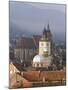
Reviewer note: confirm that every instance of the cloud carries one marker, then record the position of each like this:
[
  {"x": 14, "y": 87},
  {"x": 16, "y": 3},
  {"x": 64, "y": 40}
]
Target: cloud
[
  {"x": 34, "y": 16},
  {"x": 59, "y": 7}
]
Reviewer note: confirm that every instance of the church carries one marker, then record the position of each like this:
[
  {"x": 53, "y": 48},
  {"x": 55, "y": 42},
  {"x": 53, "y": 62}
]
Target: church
[{"x": 44, "y": 57}]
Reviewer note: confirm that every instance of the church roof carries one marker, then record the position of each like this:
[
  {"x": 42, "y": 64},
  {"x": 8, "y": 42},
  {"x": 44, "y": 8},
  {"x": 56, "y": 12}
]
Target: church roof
[
  {"x": 25, "y": 43},
  {"x": 36, "y": 39},
  {"x": 46, "y": 35},
  {"x": 38, "y": 58}
]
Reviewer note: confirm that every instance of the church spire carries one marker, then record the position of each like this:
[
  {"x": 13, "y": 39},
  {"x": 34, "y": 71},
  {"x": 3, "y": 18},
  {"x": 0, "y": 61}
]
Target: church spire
[
  {"x": 44, "y": 32},
  {"x": 48, "y": 27},
  {"x": 48, "y": 31}
]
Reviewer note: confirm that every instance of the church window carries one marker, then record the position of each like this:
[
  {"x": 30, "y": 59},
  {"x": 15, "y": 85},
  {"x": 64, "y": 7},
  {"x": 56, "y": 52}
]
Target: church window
[
  {"x": 47, "y": 44},
  {"x": 37, "y": 65},
  {"x": 41, "y": 64}
]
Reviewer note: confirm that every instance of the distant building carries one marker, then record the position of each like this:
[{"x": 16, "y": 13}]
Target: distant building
[
  {"x": 25, "y": 49},
  {"x": 36, "y": 39}
]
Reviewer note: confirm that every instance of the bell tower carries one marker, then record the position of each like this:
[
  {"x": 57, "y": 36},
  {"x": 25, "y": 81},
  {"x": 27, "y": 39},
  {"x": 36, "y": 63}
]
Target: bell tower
[
  {"x": 44, "y": 44},
  {"x": 44, "y": 59}
]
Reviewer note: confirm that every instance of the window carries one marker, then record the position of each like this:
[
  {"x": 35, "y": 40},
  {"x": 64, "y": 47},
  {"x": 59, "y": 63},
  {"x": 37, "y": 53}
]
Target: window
[
  {"x": 41, "y": 44},
  {"x": 46, "y": 54},
  {"x": 47, "y": 44},
  {"x": 41, "y": 64},
  {"x": 37, "y": 65}
]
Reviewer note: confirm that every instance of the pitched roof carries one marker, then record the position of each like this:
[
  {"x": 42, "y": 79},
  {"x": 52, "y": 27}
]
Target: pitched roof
[
  {"x": 19, "y": 82},
  {"x": 25, "y": 42},
  {"x": 30, "y": 43},
  {"x": 47, "y": 32},
  {"x": 48, "y": 75},
  {"x": 36, "y": 39}
]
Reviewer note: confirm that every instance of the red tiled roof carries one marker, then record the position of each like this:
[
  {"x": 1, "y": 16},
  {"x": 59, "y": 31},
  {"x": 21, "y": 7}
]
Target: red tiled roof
[
  {"x": 52, "y": 75},
  {"x": 31, "y": 75},
  {"x": 20, "y": 83},
  {"x": 48, "y": 75},
  {"x": 26, "y": 83}
]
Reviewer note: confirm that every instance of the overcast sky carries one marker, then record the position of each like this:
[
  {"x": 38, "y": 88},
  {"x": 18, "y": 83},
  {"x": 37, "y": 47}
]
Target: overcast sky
[{"x": 33, "y": 17}]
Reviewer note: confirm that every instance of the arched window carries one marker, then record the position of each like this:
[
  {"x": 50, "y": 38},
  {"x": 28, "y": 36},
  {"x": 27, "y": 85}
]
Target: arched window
[
  {"x": 47, "y": 44},
  {"x": 37, "y": 64},
  {"x": 41, "y": 64}
]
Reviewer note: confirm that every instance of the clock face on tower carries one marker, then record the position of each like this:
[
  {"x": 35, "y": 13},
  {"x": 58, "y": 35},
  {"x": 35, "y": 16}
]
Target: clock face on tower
[{"x": 44, "y": 44}]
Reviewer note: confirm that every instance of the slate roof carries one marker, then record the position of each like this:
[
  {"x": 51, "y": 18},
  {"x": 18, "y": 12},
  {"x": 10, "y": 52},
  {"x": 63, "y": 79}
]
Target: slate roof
[
  {"x": 30, "y": 42},
  {"x": 25, "y": 43},
  {"x": 36, "y": 39}
]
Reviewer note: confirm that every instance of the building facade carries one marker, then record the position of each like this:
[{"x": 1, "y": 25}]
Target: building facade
[{"x": 25, "y": 49}]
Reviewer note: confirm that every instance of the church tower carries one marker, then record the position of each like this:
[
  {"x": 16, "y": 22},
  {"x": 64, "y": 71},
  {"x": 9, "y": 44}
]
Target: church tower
[
  {"x": 44, "y": 58},
  {"x": 45, "y": 44}
]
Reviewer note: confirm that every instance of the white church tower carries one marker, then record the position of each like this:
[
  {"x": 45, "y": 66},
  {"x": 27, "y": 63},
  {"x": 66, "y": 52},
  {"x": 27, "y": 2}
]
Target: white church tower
[
  {"x": 44, "y": 45},
  {"x": 44, "y": 57}
]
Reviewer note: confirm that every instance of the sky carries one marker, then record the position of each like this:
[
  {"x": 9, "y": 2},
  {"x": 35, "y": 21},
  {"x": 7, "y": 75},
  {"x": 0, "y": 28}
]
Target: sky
[{"x": 28, "y": 17}]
